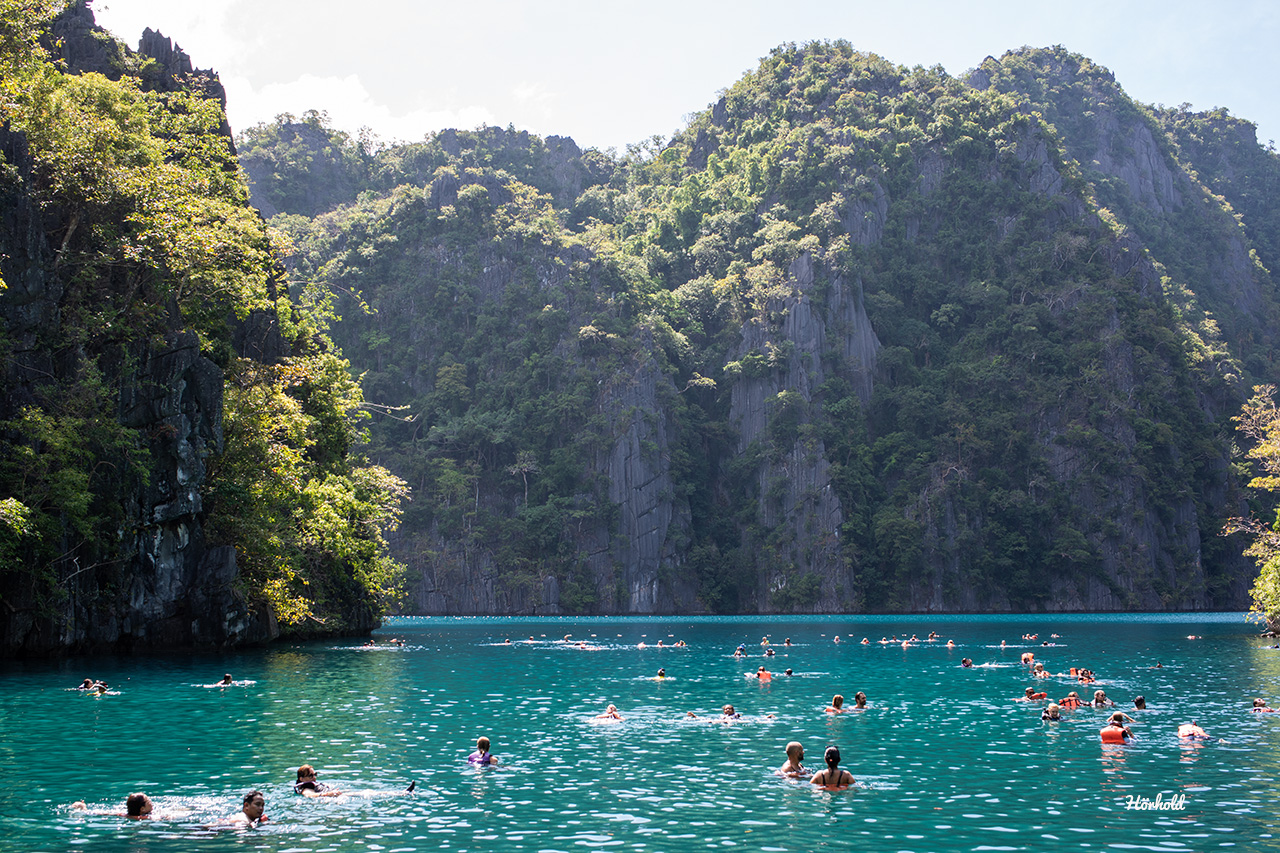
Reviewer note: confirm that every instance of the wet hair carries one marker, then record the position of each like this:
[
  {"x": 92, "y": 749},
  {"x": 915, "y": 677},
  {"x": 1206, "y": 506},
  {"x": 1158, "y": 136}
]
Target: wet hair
[
  {"x": 251, "y": 796},
  {"x": 483, "y": 744},
  {"x": 837, "y": 701},
  {"x": 1117, "y": 719},
  {"x": 135, "y": 803},
  {"x": 831, "y": 756},
  {"x": 859, "y": 698},
  {"x": 303, "y": 772},
  {"x": 1140, "y": 702}
]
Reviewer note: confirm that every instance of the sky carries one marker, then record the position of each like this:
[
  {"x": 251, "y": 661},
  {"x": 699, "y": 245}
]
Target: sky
[{"x": 610, "y": 73}]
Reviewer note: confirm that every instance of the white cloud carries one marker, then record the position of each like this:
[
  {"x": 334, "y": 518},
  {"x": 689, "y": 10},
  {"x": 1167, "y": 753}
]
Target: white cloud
[{"x": 348, "y": 104}]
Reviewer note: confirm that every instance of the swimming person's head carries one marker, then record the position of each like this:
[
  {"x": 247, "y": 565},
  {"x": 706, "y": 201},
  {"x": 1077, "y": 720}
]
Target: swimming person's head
[
  {"x": 831, "y": 756},
  {"x": 837, "y": 701},
  {"x": 860, "y": 699},
  {"x": 1140, "y": 702},
  {"x": 137, "y": 805},
  {"x": 306, "y": 771},
  {"x": 795, "y": 751},
  {"x": 482, "y": 744}
]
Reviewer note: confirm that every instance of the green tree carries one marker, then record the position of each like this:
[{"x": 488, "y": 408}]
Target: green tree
[{"x": 1259, "y": 421}]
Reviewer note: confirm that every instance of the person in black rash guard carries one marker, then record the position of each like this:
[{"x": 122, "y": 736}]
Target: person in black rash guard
[{"x": 308, "y": 786}]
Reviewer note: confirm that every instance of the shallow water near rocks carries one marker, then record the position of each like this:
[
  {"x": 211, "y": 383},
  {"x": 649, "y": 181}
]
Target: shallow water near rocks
[{"x": 944, "y": 757}]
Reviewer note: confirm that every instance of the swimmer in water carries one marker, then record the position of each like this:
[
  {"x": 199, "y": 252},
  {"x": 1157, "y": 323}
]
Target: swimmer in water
[
  {"x": 1032, "y": 696},
  {"x": 966, "y": 662},
  {"x": 136, "y": 807},
  {"x": 1051, "y": 713},
  {"x": 610, "y": 713},
  {"x": 788, "y": 671},
  {"x": 1191, "y": 731},
  {"x": 833, "y": 778},
  {"x": 1140, "y": 703},
  {"x": 768, "y": 653},
  {"x": 837, "y": 705},
  {"x": 307, "y": 785},
  {"x": 1260, "y": 706},
  {"x": 860, "y": 700},
  {"x": 87, "y": 684},
  {"x": 662, "y": 673},
  {"x": 787, "y": 641},
  {"x": 252, "y": 812},
  {"x": 764, "y": 674},
  {"x": 740, "y": 651},
  {"x": 1100, "y": 700},
  {"x": 1072, "y": 701},
  {"x": 951, "y": 644},
  {"x": 1115, "y": 731},
  {"x": 793, "y": 769},
  {"x": 727, "y": 713},
  {"x": 482, "y": 757},
  {"x": 226, "y": 679},
  {"x": 837, "y": 638},
  {"x": 865, "y": 641}
]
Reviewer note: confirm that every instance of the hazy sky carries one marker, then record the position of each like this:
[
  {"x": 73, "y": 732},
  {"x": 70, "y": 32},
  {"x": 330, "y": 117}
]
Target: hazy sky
[{"x": 609, "y": 73}]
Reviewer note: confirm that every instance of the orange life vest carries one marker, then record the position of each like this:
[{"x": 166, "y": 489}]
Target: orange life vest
[{"x": 1112, "y": 734}]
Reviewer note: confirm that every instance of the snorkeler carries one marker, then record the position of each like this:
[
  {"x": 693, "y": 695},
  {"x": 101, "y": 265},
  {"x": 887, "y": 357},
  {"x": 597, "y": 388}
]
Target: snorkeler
[
  {"x": 307, "y": 785},
  {"x": 793, "y": 768},
  {"x": 482, "y": 756},
  {"x": 833, "y": 778}
]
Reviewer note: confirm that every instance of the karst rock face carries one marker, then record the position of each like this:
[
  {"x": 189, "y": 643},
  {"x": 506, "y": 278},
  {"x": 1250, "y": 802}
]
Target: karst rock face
[{"x": 158, "y": 585}]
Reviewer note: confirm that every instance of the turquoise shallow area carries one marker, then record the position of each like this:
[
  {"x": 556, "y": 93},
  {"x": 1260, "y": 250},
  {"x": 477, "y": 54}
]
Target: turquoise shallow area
[{"x": 946, "y": 759}]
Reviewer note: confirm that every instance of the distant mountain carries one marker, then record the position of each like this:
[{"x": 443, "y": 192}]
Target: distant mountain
[{"x": 860, "y": 338}]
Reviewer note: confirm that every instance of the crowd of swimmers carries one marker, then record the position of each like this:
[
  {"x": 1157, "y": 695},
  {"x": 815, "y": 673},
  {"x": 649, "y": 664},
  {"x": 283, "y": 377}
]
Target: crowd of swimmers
[
  {"x": 831, "y": 777},
  {"x": 1116, "y": 730}
]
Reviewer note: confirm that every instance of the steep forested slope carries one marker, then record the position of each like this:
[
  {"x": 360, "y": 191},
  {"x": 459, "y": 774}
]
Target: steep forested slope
[
  {"x": 176, "y": 432},
  {"x": 860, "y": 337}
]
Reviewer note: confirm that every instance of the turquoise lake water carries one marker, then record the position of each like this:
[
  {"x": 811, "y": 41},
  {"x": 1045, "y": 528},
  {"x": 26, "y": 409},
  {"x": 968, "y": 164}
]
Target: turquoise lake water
[{"x": 944, "y": 757}]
